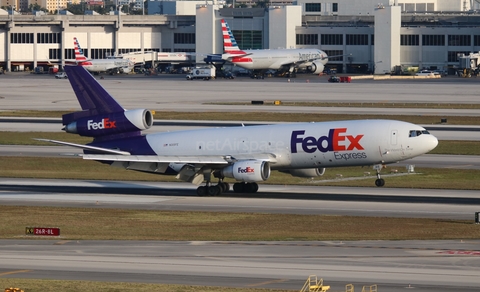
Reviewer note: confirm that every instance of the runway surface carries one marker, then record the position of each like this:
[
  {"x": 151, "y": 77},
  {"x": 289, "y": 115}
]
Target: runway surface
[
  {"x": 393, "y": 265},
  {"x": 41, "y": 92},
  {"x": 311, "y": 200}
]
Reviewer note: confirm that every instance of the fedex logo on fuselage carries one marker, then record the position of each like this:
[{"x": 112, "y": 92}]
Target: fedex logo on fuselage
[
  {"x": 103, "y": 124},
  {"x": 335, "y": 141}
]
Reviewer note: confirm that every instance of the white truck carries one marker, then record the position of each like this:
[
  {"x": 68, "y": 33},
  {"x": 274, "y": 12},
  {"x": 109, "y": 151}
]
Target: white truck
[
  {"x": 61, "y": 75},
  {"x": 205, "y": 73}
]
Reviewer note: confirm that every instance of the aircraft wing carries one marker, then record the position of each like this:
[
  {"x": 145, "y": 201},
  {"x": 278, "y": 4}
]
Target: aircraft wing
[
  {"x": 106, "y": 154},
  {"x": 313, "y": 59},
  {"x": 208, "y": 159},
  {"x": 182, "y": 159}
]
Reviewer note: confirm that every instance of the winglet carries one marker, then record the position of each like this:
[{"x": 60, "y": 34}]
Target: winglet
[{"x": 93, "y": 98}]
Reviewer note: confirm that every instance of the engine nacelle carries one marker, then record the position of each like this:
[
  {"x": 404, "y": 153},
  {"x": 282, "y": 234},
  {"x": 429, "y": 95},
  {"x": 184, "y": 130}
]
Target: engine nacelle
[
  {"x": 316, "y": 67},
  {"x": 125, "y": 70},
  {"x": 307, "y": 172},
  {"x": 114, "y": 123},
  {"x": 247, "y": 171}
]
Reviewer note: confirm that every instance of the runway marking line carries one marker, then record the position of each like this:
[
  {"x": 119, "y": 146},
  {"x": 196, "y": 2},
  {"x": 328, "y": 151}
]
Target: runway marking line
[
  {"x": 15, "y": 272},
  {"x": 267, "y": 282}
]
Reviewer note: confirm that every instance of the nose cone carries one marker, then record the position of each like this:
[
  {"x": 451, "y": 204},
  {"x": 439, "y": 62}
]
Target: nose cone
[{"x": 431, "y": 143}]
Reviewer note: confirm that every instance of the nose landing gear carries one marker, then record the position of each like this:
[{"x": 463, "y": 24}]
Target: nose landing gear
[{"x": 379, "y": 182}]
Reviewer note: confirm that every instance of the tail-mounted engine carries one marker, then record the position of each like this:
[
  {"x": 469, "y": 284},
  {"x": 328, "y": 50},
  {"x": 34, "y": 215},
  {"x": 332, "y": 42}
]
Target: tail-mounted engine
[
  {"x": 316, "y": 67},
  {"x": 246, "y": 171},
  {"x": 114, "y": 123}
]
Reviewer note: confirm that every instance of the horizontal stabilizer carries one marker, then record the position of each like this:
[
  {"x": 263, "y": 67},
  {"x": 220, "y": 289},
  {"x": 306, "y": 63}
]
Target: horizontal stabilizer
[
  {"x": 229, "y": 56},
  {"x": 86, "y": 147}
]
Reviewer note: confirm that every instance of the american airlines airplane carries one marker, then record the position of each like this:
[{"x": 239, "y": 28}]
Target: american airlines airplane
[
  {"x": 110, "y": 66},
  {"x": 246, "y": 154},
  {"x": 285, "y": 60}
]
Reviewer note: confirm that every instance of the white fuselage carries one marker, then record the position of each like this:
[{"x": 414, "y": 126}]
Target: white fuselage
[
  {"x": 103, "y": 65},
  {"x": 304, "y": 145},
  {"x": 276, "y": 59}
]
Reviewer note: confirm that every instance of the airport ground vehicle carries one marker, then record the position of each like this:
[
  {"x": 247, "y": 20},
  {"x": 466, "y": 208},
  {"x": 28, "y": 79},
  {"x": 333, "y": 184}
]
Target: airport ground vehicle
[
  {"x": 425, "y": 73},
  {"x": 61, "y": 75},
  {"x": 334, "y": 79},
  {"x": 205, "y": 73}
]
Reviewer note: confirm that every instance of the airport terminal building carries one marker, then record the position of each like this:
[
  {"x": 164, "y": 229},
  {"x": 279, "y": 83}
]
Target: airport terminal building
[{"x": 373, "y": 35}]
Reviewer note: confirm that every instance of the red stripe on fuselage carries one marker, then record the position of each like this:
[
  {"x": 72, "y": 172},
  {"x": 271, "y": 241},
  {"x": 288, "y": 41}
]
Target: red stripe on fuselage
[{"x": 241, "y": 60}]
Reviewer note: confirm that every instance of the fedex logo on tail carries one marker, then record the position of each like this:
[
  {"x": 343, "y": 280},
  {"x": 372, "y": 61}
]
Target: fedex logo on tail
[
  {"x": 103, "y": 124},
  {"x": 336, "y": 140}
]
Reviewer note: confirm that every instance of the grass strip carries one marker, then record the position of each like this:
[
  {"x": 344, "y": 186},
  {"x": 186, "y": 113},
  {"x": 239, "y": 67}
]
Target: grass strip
[
  {"x": 33, "y": 285},
  {"x": 122, "y": 224},
  {"x": 363, "y": 104}
]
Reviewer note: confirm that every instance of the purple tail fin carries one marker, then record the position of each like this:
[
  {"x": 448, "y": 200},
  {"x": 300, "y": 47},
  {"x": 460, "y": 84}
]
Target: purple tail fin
[
  {"x": 93, "y": 98},
  {"x": 101, "y": 117}
]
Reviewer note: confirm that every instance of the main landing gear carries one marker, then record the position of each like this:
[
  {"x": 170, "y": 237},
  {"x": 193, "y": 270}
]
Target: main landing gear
[
  {"x": 379, "y": 182},
  {"x": 213, "y": 190},
  {"x": 222, "y": 187},
  {"x": 245, "y": 187}
]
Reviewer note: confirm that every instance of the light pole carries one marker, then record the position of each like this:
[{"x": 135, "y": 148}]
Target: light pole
[{"x": 13, "y": 12}]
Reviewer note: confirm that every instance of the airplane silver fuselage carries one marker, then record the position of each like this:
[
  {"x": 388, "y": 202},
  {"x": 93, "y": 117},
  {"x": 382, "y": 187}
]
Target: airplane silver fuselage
[
  {"x": 304, "y": 145},
  {"x": 102, "y": 65},
  {"x": 276, "y": 59}
]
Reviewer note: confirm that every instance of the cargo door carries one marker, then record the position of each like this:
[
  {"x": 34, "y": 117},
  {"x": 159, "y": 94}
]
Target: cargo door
[{"x": 393, "y": 137}]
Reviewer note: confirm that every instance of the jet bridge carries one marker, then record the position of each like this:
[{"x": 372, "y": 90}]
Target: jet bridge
[{"x": 468, "y": 65}]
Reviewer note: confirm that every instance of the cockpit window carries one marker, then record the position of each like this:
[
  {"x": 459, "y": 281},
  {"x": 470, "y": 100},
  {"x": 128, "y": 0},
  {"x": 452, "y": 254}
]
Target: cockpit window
[{"x": 416, "y": 133}]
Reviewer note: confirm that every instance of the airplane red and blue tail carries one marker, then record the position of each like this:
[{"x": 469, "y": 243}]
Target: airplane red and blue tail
[
  {"x": 79, "y": 56},
  {"x": 229, "y": 42}
]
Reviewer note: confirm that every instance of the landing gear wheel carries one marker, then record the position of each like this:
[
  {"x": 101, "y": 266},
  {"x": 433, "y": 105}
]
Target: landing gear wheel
[
  {"x": 214, "y": 190},
  {"x": 380, "y": 182},
  {"x": 202, "y": 191},
  {"x": 251, "y": 188},
  {"x": 245, "y": 187},
  {"x": 239, "y": 187},
  {"x": 225, "y": 187}
]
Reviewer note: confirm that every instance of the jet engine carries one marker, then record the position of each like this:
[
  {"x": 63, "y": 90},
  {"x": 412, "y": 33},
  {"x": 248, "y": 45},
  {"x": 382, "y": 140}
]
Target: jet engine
[
  {"x": 125, "y": 70},
  {"x": 247, "y": 171},
  {"x": 113, "y": 123},
  {"x": 316, "y": 67},
  {"x": 307, "y": 172}
]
